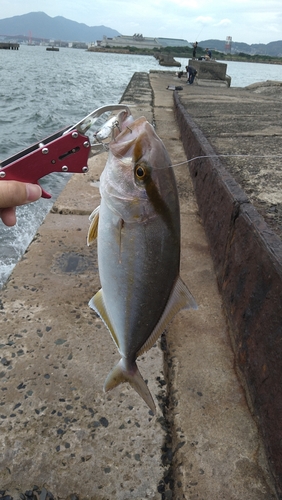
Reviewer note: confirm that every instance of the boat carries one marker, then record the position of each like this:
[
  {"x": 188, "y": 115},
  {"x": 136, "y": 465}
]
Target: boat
[{"x": 55, "y": 49}]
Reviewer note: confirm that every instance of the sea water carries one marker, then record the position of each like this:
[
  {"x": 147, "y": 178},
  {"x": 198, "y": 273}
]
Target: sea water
[{"x": 42, "y": 92}]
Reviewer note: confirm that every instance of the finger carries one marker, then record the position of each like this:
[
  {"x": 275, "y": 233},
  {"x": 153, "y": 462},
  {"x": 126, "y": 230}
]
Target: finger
[
  {"x": 8, "y": 216},
  {"x": 33, "y": 192},
  {"x": 13, "y": 193}
]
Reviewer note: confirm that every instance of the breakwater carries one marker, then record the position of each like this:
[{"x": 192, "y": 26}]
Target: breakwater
[
  {"x": 63, "y": 432},
  {"x": 247, "y": 254}
]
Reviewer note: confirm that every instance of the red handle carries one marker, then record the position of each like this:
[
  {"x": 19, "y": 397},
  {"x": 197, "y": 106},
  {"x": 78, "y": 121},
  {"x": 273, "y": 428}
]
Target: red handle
[{"x": 63, "y": 153}]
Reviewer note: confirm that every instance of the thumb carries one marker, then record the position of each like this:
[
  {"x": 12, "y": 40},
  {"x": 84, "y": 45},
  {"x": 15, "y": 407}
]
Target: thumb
[
  {"x": 33, "y": 192},
  {"x": 14, "y": 193}
]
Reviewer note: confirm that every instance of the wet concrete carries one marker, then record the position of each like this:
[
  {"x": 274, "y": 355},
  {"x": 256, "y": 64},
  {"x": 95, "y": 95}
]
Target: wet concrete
[{"x": 58, "y": 430}]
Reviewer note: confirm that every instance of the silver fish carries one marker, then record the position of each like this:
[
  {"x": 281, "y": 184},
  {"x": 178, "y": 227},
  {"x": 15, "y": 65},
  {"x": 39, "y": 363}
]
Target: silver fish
[
  {"x": 107, "y": 129},
  {"x": 138, "y": 234}
]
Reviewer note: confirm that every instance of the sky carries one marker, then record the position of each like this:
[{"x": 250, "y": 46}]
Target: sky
[{"x": 249, "y": 21}]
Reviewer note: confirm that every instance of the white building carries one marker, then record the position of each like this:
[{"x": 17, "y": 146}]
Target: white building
[{"x": 141, "y": 42}]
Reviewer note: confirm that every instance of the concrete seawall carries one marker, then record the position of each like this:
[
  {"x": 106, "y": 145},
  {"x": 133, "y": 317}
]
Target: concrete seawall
[
  {"x": 59, "y": 433},
  {"x": 247, "y": 256}
]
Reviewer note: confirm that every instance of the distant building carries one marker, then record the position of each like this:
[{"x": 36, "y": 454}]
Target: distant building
[
  {"x": 77, "y": 45},
  {"x": 136, "y": 40},
  {"x": 98, "y": 43},
  {"x": 141, "y": 42},
  {"x": 174, "y": 42}
]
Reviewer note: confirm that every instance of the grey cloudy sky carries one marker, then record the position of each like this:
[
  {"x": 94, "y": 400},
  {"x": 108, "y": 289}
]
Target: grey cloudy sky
[{"x": 250, "y": 21}]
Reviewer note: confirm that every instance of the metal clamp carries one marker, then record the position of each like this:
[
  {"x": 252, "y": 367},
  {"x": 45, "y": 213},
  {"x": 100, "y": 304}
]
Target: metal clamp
[
  {"x": 68, "y": 150},
  {"x": 99, "y": 144}
]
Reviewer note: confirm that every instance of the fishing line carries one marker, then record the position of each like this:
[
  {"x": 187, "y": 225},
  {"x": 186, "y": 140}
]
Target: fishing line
[
  {"x": 220, "y": 155},
  {"x": 226, "y": 155},
  {"x": 197, "y": 38},
  {"x": 125, "y": 160}
]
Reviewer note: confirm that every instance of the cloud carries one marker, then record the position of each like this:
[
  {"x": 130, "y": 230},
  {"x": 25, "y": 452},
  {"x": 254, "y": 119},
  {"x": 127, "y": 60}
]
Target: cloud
[
  {"x": 204, "y": 20},
  {"x": 250, "y": 21},
  {"x": 190, "y": 4},
  {"x": 224, "y": 22}
]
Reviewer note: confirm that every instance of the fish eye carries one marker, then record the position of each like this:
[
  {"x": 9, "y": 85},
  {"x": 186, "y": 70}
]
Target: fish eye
[{"x": 141, "y": 172}]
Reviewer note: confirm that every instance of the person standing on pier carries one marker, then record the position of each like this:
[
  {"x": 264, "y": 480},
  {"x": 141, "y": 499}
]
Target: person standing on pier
[{"x": 195, "y": 45}]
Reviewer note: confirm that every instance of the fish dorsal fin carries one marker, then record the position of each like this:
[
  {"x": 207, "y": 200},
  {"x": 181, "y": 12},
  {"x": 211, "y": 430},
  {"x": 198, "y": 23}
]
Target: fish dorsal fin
[
  {"x": 98, "y": 305},
  {"x": 180, "y": 298},
  {"x": 93, "y": 229}
]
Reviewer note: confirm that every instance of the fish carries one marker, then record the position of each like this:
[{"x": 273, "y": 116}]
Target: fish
[
  {"x": 137, "y": 227},
  {"x": 106, "y": 130}
]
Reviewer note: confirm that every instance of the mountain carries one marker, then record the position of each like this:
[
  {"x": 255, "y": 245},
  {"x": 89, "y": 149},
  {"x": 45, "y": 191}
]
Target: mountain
[
  {"x": 40, "y": 25},
  {"x": 273, "y": 49}
]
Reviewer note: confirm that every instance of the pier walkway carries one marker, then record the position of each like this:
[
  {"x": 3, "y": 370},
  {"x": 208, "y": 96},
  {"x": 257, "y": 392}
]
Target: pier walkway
[{"x": 58, "y": 430}]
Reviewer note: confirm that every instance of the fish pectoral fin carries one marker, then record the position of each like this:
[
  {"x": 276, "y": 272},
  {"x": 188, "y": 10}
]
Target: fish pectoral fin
[
  {"x": 121, "y": 374},
  {"x": 93, "y": 229},
  {"x": 180, "y": 298},
  {"x": 98, "y": 305}
]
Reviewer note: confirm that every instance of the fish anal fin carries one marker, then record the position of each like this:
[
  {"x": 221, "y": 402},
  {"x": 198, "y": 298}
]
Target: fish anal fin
[
  {"x": 120, "y": 374},
  {"x": 93, "y": 229},
  {"x": 180, "y": 298},
  {"x": 98, "y": 305}
]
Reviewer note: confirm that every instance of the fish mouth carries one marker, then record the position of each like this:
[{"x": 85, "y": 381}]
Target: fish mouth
[
  {"x": 136, "y": 141},
  {"x": 130, "y": 138}
]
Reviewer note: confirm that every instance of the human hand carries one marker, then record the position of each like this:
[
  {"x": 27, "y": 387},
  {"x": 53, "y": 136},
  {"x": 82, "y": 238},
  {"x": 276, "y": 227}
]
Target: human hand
[{"x": 13, "y": 194}]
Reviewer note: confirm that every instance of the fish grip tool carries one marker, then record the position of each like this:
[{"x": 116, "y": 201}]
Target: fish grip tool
[{"x": 67, "y": 150}]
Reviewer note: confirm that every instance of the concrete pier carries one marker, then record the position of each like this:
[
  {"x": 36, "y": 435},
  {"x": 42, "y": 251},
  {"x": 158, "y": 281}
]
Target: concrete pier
[
  {"x": 58, "y": 430},
  {"x": 247, "y": 254},
  {"x": 9, "y": 45},
  {"x": 210, "y": 73}
]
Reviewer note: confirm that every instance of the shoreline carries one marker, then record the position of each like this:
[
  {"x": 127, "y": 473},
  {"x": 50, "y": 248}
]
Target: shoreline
[{"x": 136, "y": 52}]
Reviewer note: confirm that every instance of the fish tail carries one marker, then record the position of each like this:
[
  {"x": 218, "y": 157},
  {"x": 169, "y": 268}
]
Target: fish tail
[{"x": 121, "y": 374}]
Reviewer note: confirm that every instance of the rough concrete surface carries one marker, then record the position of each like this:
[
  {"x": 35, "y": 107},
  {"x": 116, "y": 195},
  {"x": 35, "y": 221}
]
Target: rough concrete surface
[
  {"x": 244, "y": 127},
  {"x": 58, "y": 430},
  {"x": 247, "y": 256}
]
